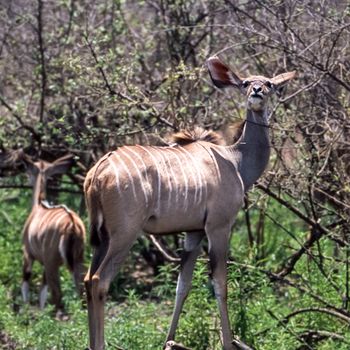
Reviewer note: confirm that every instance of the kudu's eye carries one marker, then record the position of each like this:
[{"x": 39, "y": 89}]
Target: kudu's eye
[
  {"x": 269, "y": 84},
  {"x": 245, "y": 84}
]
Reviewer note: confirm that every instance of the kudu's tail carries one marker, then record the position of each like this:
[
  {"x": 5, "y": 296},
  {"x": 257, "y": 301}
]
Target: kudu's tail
[
  {"x": 74, "y": 249},
  {"x": 74, "y": 252},
  {"x": 94, "y": 208}
]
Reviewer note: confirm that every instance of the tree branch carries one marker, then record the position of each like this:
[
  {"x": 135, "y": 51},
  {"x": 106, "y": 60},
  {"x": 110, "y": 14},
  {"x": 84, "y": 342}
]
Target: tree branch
[
  {"x": 160, "y": 247},
  {"x": 334, "y": 313},
  {"x": 42, "y": 60},
  {"x": 36, "y": 136}
]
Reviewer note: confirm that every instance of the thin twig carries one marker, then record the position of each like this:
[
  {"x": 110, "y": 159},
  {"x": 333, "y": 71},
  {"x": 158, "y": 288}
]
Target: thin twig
[
  {"x": 334, "y": 313},
  {"x": 36, "y": 136},
  {"x": 162, "y": 250},
  {"x": 42, "y": 60}
]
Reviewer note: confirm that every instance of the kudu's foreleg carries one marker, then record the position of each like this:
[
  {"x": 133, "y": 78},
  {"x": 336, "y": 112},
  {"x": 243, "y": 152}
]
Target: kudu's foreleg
[
  {"x": 188, "y": 259},
  {"x": 218, "y": 253},
  {"x": 27, "y": 273}
]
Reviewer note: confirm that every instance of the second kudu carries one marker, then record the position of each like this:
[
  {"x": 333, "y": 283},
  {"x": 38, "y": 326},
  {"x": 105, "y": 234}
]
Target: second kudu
[
  {"x": 196, "y": 186},
  {"x": 52, "y": 235}
]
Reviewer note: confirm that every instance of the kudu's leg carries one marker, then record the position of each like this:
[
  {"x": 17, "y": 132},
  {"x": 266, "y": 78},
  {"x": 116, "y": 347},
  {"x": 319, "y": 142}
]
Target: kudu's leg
[
  {"x": 27, "y": 273},
  {"x": 218, "y": 253},
  {"x": 74, "y": 249},
  {"x": 53, "y": 281},
  {"x": 98, "y": 256},
  {"x": 78, "y": 276},
  {"x": 188, "y": 259},
  {"x": 43, "y": 292},
  {"x": 100, "y": 281}
]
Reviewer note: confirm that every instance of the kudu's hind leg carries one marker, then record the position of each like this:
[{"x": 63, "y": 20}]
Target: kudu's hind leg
[
  {"x": 98, "y": 256},
  {"x": 53, "y": 281},
  {"x": 188, "y": 259},
  {"x": 27, "y": 273},
  {"x": 78, "y": 274},
  {"x": 74, "y": 257},
  {"x": 218, "y": 253},
  {"x": 43, "y": 292},
  {"x": 100, "y": 281}
]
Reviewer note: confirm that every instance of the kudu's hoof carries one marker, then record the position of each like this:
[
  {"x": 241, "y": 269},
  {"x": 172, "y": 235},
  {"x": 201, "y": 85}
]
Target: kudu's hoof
[{"x": 171, "y": 345}]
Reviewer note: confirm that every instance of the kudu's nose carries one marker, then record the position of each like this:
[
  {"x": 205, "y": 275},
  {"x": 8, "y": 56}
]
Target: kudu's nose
[{"x": 256, "y": 88}]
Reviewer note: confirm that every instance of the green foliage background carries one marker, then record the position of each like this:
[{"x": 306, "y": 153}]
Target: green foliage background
[{"x": 257, "y": 305}]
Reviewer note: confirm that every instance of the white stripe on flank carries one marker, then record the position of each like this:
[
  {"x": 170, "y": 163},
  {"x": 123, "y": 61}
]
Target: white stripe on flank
[
  {"x": 158, "y": 173},
  {"x": 45, "y": 219},
  {"x": 140, "y": 158},
  {"x": 60, "y": 216},
  {"x": 32, "y": 229},
  {"x": 192, "y": 172},
  {"x": 138, "y": 173},
  {"x": 57, "y": 226},
  {"x": 160, "y": 153},
  {"x": 199, "y": 173},
  {"x": 183, "y": 174},
  {"x": 174, "y": 177},
  {"x": 215, "y": 163},
  {"x": 116, "y": 173},
  {"x": 120, "y": 160},
  {"x": 62, "y": 249}
]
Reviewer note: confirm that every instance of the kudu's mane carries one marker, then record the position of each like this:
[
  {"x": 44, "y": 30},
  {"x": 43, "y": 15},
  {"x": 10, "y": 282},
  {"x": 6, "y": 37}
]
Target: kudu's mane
[
  {"x": 47, "y": 205},
  {"x": 187, "y": 136}
]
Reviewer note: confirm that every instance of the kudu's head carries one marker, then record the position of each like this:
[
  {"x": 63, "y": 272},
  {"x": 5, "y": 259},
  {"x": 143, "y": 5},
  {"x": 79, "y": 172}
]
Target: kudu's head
[
  {"x": 257, "y": 88},
  {"x": 39, "y": 172}
]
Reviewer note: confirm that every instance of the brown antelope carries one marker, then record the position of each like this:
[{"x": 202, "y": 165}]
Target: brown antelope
[
  {"x": 51, "y": 235},
  {"x": 195, "y": 186}
]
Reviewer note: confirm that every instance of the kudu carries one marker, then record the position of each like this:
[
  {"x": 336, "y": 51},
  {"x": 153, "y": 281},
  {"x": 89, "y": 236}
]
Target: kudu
[
  {"x": 195, "y": 186},
  {"x": 52, "y": 235}
]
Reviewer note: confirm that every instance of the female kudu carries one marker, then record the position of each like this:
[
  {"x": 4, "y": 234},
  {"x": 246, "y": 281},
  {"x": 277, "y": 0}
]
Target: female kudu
[
  {"x": 51, "y": 235},
  {"x": 196, "y": 186}
]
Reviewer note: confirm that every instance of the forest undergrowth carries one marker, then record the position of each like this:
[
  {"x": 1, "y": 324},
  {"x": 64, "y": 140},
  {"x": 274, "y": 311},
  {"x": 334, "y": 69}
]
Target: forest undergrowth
[{"x": 265, "y": 313}]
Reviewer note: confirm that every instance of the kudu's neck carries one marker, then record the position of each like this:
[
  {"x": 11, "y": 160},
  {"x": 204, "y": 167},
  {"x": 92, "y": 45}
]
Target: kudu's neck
[
  {"x": 39, "y": 190},
  {"x": 253, "y": 148}
]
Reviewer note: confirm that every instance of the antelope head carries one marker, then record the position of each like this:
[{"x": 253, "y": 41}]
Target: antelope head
[
  {"x": 39, "y": 172},
  {"x": 256, "y": 88}
]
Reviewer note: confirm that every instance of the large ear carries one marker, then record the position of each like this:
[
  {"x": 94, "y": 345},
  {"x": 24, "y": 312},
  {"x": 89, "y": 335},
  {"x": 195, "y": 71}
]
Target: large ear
[
  {"x": 221, "y": 75},
  {"x": 281, "y": 80},
  {"x": 60, "y": 165}
]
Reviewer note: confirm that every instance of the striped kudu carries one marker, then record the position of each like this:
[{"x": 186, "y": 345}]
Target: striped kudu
[
  {"x": 51, "y": 235},
  {"x": 195, "y": 186}
]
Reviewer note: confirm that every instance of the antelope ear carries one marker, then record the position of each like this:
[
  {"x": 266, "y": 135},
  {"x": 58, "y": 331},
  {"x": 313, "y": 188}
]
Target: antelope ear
[
  {"x": 281, "y": 80},
  {"x": 60, "y": 165},
  {"x": 221, "y": 75}
]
